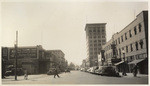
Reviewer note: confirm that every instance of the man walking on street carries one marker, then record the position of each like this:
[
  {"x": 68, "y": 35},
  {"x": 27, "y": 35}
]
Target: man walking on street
[
  {"x": 56, "y": 72},
  {"x": 135, "y": 70}
]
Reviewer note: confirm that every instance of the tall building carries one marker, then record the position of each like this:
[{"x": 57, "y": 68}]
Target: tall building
[
  {"x": 131, "y": 45},
  {"x": 95, "y": 37}
]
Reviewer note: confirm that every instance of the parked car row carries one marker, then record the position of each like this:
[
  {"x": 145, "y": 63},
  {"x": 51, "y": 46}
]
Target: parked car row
[{"x": 103, "y": 71}]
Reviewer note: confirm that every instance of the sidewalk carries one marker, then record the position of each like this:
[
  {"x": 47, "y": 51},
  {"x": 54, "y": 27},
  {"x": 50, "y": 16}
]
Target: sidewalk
[{"x": 131, "y": 75}]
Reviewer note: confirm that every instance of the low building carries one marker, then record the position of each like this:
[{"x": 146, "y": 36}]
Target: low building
[{"x": 34, "y": 59}]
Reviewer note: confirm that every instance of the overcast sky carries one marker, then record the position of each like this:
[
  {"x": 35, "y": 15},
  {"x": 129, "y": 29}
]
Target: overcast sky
[{"x": 60, "y": 25}]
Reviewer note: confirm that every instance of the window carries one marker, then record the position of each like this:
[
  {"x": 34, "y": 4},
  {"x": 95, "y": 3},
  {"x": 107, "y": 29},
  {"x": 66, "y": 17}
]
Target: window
[
  {"x": 95, "y": 48},
  {"x": 98, "y": 30},
  {"x": 136, "y": 44},
  {"x": 131, "y": 47},
  {"x": 130, "y": 33},
  {"x": 95, "y": 40},
  {"x": 103, "y": 40},
  {"x": 127, "y": 49},
  {"x": 98, "y": 36},
  {"x": 94, "y": 30},
  {"x": 135, "y": 32},
  {"x": 103, "y": 36},
  {"x": 141, "y": 44},
  {"x": 119, "y": 40},
  {"x": 99, "y": 40},
  {"x": 99, "y": 44},
  {"x": 126, "y": 36},
  {"x": 103, "y": 30},
  {"x": 122, "y": 38},
  {"x": 140, "y": 27},
  {"x": 90, "y": 30}
]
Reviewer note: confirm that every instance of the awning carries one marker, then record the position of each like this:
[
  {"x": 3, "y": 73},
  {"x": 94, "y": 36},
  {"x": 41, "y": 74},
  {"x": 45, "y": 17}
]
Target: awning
[
  {"x": 119, "y": 63},
  {"x": 136, "y": 61}
]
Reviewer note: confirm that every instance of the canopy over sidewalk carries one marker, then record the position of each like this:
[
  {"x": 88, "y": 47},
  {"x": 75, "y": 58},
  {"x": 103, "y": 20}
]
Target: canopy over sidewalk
[
  {"x": 136, "y": 61},
  {"x": 119, "y": 63}
]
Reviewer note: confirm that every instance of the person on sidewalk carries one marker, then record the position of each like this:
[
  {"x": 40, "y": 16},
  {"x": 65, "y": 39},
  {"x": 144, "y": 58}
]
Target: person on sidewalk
[
  {"x": 25, "y": 74},
  {"x": 56, "y": 73},
  {"x": 135, "y": 70}
]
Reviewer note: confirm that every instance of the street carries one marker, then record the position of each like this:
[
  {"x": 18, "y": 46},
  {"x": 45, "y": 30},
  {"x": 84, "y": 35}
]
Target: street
[{"x": 77, "y": 77}]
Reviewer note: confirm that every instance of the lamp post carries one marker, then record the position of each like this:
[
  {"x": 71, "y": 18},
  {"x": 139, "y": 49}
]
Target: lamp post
[
  {"x": 124, "y": 65},
  {"x": 16, "y": 54}
]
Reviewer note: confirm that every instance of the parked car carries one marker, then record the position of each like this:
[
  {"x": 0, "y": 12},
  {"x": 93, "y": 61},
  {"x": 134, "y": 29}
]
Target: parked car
[
  {"x": 51, "y": 71},
  {"x": 92, "y": 69},
  {"x": 67, "y": 70},
  {"x": 107, "y": 71},
  {"x": 12, "y": 72}
]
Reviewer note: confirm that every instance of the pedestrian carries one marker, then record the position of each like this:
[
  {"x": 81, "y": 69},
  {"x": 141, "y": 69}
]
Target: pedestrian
[
  {"x": 135, "y": 70},
  {"x": 56, "y": 73},
  {"x": 25, "y": 74}
]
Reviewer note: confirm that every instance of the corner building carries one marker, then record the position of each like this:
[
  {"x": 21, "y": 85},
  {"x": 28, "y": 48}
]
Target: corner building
[
  {"x": 95, "y": 38},
  {"x": 133, "y": 39}
]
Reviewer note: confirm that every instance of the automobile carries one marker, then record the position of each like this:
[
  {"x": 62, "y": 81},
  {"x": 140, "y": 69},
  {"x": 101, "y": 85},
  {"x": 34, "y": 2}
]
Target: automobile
[
  {"x": 107, "y": 71},
  {"x": 12, "y": 72},
  {"x": 51, "y": 71},
  {"x": 67, "y": 70},
  {"x": 92, "y": 69}
]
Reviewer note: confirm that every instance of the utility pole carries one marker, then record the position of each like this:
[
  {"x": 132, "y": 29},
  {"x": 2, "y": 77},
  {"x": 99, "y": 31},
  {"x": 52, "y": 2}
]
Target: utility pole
[{"x": 16, "y": 54}]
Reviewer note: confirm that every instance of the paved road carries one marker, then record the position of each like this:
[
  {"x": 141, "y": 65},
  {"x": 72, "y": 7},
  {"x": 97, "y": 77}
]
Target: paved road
[{"x": 77, "y": 77}]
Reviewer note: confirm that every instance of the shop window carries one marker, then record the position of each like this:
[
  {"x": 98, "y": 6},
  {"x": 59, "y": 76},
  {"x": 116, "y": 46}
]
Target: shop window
[{"x": 140, "y": 27}]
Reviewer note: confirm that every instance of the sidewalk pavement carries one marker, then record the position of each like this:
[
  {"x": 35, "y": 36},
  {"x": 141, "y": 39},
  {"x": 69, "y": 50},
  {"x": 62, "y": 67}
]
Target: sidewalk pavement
[{"x": 131, "y": 75}]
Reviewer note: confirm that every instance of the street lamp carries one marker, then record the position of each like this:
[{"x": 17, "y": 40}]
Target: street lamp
[{"x": 124, "y": 65}]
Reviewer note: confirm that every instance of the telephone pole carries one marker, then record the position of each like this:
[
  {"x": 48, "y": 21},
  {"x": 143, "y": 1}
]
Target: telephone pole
[{"x": 16, "y": 54}]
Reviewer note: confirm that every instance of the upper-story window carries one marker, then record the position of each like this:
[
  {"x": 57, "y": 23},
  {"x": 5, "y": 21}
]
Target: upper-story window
[
  {"x": 94, "y": 30},
  {"x": 90, "y": 30},
  {"x": 122, "y": 38},
  {"x": 116, "y": 41},
  {"x": 131, "y": 47},
  {"x": 98, "y": 30},
  {"x": 126, "y": 36},
  {"x": 119, "y": 40},
  {"x": 136, "y": 44},
  {"x": 135, "y": 32},
  {"x": 130, "y": 33},
  {"x": 140, "y": 27},
  {"x": 127, "y": 49},
  {"x": 103, "y": 36},
  {"x": 103, "y": 30},
  {"x": 141, "y": 44}
]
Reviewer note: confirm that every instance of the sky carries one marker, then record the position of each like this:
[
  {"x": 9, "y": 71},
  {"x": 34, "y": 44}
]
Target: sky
[{"x": 61, "y": 24}]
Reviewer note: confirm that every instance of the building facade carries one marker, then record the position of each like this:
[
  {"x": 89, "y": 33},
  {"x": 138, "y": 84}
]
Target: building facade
[
  {"x": 130, "y": 45},
  {"x": 34, "y": 59},
  {"x": 95, "y": 38}
]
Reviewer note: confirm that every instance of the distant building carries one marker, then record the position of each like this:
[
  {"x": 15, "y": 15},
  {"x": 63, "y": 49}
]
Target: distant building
[
  {"x": 95, "y": 37},
  {"x": 133, "y": 39},
  {"x": 57, "y": 59}
]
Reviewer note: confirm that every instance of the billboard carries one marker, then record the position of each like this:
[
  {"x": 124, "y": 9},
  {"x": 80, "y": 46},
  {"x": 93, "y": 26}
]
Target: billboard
[{"x": 24, "y": 53}]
